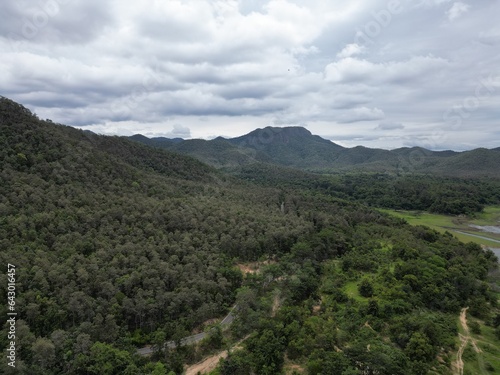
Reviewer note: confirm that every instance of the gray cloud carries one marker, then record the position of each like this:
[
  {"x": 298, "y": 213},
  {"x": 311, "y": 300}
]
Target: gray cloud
[
  {"x": 178, "y": 131},
  {"x": 387, "y": 125},
  {"x": 54, "y": 21},
  {"x": 229, "y": 66},
  {"x": 360, "y": 114}
]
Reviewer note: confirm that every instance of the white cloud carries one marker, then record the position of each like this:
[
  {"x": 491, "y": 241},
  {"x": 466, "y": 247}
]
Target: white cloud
[
  {"x": 355, "y": 70},
  {"x": 457, "y": 10},
  {"x": 361, "y": 114},
  {"x": 351, "y": 50}
]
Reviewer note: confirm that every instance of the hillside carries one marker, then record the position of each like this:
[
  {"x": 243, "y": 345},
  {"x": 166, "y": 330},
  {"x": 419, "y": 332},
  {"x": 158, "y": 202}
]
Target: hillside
[
  {"x": 118, "y": 245},
  {"x": 296, "y": 147},
  {"x": 114, "y": 240}
]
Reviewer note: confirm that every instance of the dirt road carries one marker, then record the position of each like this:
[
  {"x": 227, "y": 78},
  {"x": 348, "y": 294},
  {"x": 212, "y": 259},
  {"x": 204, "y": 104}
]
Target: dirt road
[
  {"x": 458, "y": 366},
  {"x": 207, "y": 365},
  {"x": 210, "y": 363}
]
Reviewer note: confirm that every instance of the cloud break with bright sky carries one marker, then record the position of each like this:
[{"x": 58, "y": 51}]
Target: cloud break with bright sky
[{"x": 383, "y": 74}]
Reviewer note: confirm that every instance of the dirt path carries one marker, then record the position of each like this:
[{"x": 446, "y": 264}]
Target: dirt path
[
  {"x": 207, "y": 365},
  {"x": 210, "y": 363},
  {"x": 276, "y": 305},
  {"x": 464, "y": 340}
]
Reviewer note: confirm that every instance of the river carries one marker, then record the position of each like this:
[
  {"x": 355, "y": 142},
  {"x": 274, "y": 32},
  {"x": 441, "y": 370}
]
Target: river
[
  {"x": 496, "y": 250},
  {"x": 487, "y": 228}
]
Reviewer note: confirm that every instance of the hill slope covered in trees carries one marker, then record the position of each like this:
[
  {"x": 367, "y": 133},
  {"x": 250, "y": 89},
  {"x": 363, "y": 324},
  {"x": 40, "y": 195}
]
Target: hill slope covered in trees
[{"x": 117, "y": 245}]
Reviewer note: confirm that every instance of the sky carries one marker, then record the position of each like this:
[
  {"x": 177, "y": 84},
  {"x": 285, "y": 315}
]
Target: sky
[{"x": 382, "y": 74}]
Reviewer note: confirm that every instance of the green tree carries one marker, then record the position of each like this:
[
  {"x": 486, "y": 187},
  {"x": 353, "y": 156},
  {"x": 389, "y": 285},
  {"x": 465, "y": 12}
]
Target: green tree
[
  {"x": 267, "y": 349},
  {"x": 104, "y": 359},
  {"x": 43, "y": 353},
  {"x": 365, "y": 288},
  {"x": 419, "y": 348}
]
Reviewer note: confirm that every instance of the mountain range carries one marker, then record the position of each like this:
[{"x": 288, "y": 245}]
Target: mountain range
[
  {"x": 290, "y": 147},
  {"x": 296, "y": 147}
]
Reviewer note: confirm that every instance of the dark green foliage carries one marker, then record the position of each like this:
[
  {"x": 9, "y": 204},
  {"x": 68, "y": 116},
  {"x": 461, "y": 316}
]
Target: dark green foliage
[
  {"x": 237, "y": 363},
  {"x": 103, "y": 359},
  {"x": 365, "y": 288},
  {"x": 267, "y": 348},
  {"x": 214, "y": 339},
  {"x": 497, "y": 333},
  {"x": 438, "y": 194},
  {"x": 419, "y": 192},
  {"x": 296, "y": 147},
  {"x": 115, "y": 242},
  {"x": 118, "y": 245},
  {"x": 475, "y": 327}
]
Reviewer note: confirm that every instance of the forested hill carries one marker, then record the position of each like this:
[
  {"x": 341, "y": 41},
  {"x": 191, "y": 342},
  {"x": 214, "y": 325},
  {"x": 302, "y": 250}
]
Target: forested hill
[
  {"x": 115, "y": 242},
  {"x": 296, "y": 147},
  {"x": 117, "y": 245},
  {"x": 30, "y": 144}
]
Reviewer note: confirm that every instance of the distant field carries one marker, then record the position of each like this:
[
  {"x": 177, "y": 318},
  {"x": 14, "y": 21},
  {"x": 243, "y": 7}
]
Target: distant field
[{"x": 455, "y": 224}]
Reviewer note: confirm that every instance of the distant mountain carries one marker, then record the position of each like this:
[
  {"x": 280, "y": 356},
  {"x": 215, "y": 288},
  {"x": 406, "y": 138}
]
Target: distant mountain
[
  {"x": 290, "y": 146},
  {"x": 296, "y": 147}
]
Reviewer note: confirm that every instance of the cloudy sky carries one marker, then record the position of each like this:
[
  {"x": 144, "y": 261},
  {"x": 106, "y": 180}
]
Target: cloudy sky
[{"x": 383, "y": 74}]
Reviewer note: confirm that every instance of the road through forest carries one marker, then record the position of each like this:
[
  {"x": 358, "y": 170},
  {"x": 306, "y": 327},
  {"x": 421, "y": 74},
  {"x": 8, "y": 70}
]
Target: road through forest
[{"x": 193, "y": 339}]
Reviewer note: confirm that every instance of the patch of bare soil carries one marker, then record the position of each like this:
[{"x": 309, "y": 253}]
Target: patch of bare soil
[
  {"x": 289, "y": 369},
  {"x": 253, "y": 267},
  {"x": 276, "y": 305},
  {"x": 210, "y": 363},
  {"x": 207, "y": 365}
]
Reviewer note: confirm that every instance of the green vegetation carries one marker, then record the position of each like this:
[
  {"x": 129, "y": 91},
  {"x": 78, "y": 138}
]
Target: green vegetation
[
  {"x": 296, "y": 147},
  {"x": 482, "y": 353},
  {"x": 413, "y": 291},
  {"x": 121, "y": 244},
  {"x": 118, "y": 245},
  {"x": 458, "y": 226},
  {"x": 443, "y": 195}
]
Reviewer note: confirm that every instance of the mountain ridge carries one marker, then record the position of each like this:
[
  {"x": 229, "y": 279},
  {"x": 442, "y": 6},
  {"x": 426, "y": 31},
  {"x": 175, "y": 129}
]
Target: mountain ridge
[
  {"x": 297, "y": 147},
  {"x": 292, "y": 147}
]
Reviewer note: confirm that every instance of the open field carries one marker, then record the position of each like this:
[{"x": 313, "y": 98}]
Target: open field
[
  {"x": 458, "y": 226},
  {"x": 351, "y": 289}
]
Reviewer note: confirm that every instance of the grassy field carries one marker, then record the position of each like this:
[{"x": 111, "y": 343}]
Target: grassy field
[
  {"x": 351, "y": 289},
  {"x": 453, "y": 224}
]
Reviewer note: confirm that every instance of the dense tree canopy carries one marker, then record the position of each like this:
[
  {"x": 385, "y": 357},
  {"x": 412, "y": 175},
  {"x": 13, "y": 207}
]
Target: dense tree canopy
[{"x": 117, "y": 245}]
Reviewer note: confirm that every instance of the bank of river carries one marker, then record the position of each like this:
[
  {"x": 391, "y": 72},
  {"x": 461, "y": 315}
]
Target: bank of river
[
  {"x": 487, "y": 228},
  {"x": 476, "y": 236},
  {"x": 496, "y": 251}
]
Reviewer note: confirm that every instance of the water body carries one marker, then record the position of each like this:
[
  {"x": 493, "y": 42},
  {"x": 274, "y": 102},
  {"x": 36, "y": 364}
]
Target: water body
[
  {"x": 489, "y": 228},
  {"x": 496, "y": 250}
]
